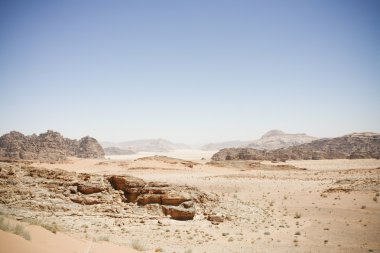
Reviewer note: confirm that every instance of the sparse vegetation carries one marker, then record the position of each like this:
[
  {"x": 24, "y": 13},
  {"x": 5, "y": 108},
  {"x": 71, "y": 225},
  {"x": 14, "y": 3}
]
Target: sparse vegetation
[
  {"x": 297, "y": 215},
  {"x": 375, "y": 199},
  {"x": 297, "y": 233},
  {"x": 53, "y": 227},
  {"x": 136, "y": 244},
  {"x": 159, "y": 249},
  {"x": 102, "y": 238},
  {"x": 363, "y": 207},
  {"x": 15, "y": 229}
]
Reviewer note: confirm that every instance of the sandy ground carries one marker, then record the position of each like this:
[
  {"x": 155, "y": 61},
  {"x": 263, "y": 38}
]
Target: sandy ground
[
  {"x": 42, "y": 240},
  {"x": 332, "y": 206}
]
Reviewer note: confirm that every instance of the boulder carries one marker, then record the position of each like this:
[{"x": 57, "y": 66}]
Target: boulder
[
  {"x": 215, "y": 219},
  {"x": 86, "y": 200},
  {"x": 89, "y": 189},
  {"x": 179, "y": 212},
  {"x": 125, "y": 182}
]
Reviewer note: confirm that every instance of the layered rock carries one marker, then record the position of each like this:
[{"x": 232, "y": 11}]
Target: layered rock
[
  {"x": 58, "y": 190},
  {"x": 48, "y": 147},
  {"x": 357, "y": 145},
  {"x": 175, "y": 201}
]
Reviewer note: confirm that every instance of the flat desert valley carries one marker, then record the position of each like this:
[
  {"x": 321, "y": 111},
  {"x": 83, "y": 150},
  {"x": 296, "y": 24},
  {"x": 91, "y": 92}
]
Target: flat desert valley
[{"x": 241, "y": 206}]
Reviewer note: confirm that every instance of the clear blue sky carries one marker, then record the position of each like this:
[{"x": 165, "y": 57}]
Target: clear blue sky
[{"x": 189, "y": 71}]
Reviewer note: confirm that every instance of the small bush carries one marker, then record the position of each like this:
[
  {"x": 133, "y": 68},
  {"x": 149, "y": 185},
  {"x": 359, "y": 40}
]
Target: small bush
[
  {"x": 103, "y": 239},
  {"x": 137, "y": 245},
  {"x": 297, "y": 233},
  {"x": 297, "y": 215}
]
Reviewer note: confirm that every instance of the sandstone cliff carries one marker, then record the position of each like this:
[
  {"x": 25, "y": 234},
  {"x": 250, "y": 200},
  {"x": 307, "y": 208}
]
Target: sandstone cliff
[
  {"x": 48, "y": 147},
  {"x": 352, "y": 146}
]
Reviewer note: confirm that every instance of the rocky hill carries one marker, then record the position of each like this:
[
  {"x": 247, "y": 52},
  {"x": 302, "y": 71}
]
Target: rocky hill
[
  {"x": 48, "y": 147},
  {"x": 276, "y": 139},
  {"x": 352, "y": 146},
  {"x": 271, "y": 140}
]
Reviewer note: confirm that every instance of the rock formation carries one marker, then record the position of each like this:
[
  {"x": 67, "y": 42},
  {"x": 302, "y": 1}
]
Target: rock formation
[
  {"x": 352, "y": 146},
  {"x": 47, "y": 147},
  {"x": 58, "y": 190}
]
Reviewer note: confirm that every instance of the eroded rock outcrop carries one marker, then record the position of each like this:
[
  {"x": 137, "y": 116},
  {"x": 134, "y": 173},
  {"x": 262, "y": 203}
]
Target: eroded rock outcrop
[
  {"x": 38, "y": 189},
  {"x": 47, "y": 147},
  {"x": 176, "y": 201}
]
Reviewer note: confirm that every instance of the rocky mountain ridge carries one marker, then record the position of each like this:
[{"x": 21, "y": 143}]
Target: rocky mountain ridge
[
  {"x": 352, "y": 146},
  {"x": 47, "y": 147}
]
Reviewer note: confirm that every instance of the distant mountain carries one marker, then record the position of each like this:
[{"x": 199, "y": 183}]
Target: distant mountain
[
  {"x": 118, "y": 151},
  {"x": 48, "y": 147},
  {"x": 273, "y": 139},
  {"x": 352, "y": 146},
  {"x": 276, "y": 139},
  {"x": 227, "y": 144},
  {"x": 147, "y": 145}
]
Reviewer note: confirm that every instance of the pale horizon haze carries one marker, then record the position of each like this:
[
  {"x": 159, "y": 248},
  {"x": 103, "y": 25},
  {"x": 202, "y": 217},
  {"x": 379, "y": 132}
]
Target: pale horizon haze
[{"x": 189, "y": 71}]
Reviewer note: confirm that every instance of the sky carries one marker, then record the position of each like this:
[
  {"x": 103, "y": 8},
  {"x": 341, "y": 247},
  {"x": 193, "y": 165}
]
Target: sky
[{"x": 189, "y": 71}]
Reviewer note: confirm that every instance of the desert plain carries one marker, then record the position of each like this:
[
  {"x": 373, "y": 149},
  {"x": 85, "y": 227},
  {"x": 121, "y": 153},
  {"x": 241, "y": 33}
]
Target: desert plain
[{"x": 247, "y": 206}]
